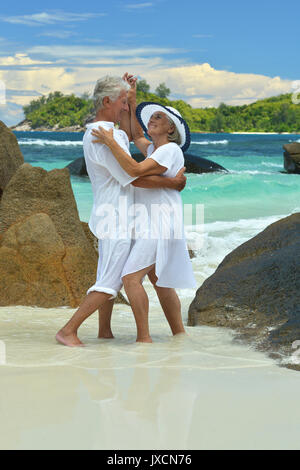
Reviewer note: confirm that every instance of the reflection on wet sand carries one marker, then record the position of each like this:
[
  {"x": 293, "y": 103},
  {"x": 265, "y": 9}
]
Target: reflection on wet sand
[{"x": 189, "y": 392}]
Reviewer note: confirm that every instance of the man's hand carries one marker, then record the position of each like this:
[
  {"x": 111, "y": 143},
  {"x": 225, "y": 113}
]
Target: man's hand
[{"x": 179, "y": 181}]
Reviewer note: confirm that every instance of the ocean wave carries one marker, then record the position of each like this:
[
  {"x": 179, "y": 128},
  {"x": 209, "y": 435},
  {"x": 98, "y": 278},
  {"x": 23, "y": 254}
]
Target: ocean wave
[
  {"x": 213, "y": 241},
  {"x": 251, "y": 172},
  {"x": 294, "y": 141},
  {"x": 272, "y": 165},
  {"x": 211, "y": 142},
  {"x": 45, "y": 142}
]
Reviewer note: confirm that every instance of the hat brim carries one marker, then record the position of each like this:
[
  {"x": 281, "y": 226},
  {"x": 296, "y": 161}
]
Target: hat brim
[{"x": 144, "y": 111}]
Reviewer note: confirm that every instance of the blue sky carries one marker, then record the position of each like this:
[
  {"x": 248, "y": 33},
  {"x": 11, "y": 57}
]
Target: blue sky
[{"x": 206, "y": 52}]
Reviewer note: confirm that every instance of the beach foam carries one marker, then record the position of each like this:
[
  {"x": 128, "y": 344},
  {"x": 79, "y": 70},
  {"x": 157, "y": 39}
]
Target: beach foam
[
  {"x": 218, "y": 239},
  {"x": 210, "y": 142},
  {"x": 45, "y": 142}
]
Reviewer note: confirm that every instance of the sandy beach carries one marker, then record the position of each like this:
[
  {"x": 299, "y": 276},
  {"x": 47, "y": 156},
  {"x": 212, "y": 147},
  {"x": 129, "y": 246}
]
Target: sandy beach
[{"x": 203, "y": 391}]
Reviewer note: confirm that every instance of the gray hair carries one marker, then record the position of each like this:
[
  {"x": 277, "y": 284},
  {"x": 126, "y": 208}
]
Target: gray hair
[
  {"x": 174, "y": 136},
  {"x": 108, "y": 86}
]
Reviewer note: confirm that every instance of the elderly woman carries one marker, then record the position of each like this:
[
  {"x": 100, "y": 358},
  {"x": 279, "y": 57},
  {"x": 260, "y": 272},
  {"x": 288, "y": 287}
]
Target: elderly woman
[{"x": 159, "y": 249}]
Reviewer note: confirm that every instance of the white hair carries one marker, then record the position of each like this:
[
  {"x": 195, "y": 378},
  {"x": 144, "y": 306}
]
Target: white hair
[
  {"x": 108, "y": 86},
  {"x": 174, "y": 136}
]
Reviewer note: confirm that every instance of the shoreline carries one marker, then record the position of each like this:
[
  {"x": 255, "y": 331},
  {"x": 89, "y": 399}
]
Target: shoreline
[
  {"x": 25, "y": 127},
  {"x": 82, "y": 130}
]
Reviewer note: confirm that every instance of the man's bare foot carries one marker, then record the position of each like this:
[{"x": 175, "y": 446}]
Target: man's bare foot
[
  {"x": 105, "y": 335},
  {"x": 180, "y": 333},
  {"x": 147, "y": 339},
  {"x": 70, "y": 340}
]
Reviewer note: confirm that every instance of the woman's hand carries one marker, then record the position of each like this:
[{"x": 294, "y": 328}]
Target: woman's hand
[
  {"x": 131, "y": 80},
  {"x": 103, "y": 136}
]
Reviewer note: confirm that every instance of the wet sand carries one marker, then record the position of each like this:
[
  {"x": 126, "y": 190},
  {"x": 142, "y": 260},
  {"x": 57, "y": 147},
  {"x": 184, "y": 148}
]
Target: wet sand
[{"x": 202, "y": 391}]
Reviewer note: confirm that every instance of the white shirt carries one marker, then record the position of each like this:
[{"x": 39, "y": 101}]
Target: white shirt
[{"x": 109, "y": 181}]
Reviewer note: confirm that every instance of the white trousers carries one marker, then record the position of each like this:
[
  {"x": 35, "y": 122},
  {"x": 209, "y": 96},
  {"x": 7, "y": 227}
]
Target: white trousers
[{"x": 113, "y": 255}]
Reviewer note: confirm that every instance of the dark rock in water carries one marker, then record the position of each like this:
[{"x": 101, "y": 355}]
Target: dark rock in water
[
  {"x": 77, "y": 167},
  {"x": 292, "y": 157},
  {"x": 256, "y": 290},
  {"x": 193, "y": 164}
]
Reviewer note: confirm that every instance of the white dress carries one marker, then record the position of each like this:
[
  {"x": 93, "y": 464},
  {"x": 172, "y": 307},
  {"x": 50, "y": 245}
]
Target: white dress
[{"x": 159, "y": 227}]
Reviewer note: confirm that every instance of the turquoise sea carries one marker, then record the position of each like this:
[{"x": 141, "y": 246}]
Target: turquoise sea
[{"x": 237, "y": 205}]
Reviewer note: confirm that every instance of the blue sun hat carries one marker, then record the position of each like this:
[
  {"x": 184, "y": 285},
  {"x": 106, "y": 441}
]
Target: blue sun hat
[{"x": 145, "y": 110}]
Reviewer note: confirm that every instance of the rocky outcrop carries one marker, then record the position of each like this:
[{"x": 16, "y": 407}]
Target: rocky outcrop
[
  {"x": 46, "y": 257},
  {"x": 256, "y": 290},
  {"x": 193, "y": 164},
  {"x": 10, "y": 156},
  {"x": 77, "y": 167},
  {"x": 292, "y": 157},
  {"x": 25, "y": 126}
]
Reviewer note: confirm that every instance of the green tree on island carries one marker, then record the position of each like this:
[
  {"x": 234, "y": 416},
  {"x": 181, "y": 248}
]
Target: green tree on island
[
  {"x": 162, "y": 90},
  {"x": 142, "y": 86},
  {"x": 275, "y": 114}
]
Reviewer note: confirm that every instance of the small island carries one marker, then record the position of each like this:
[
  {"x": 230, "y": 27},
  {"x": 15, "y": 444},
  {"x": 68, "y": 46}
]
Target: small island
[{"x": 68, "y": 113}]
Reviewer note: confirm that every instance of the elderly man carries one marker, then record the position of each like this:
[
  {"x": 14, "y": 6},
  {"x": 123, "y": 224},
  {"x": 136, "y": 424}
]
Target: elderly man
[{"x": 110, "y": 184}]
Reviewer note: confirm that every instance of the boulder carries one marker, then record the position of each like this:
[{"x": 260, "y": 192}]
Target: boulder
[
  {"x": 42, "y": 241},
  {"x": 32, "y": 265},
  {"x": 292, "y": 157},
  {"x": 78, "y": 167},
  {"x": 256, "y": 290},
  {"x": 10, "y": 156},
  {"x": 193, "y": 163}
]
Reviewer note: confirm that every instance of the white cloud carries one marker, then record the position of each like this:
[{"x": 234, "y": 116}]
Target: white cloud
[
  {"x": 200, "y": 85},
  {"x": 58, "y": 34},
  {"x": 137, "y": 6},
  {"x": 19, "y": 60},
  {"x": 48, "y": 18},
  {"x": 11, "y": 113},
  {"x": 195, "y": 82},
  {"x": 96, "y": 52}
]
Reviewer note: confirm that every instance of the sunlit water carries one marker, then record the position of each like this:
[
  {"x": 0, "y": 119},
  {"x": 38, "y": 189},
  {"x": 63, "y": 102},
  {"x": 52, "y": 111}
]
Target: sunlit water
[{"x": 202, "y": 391}]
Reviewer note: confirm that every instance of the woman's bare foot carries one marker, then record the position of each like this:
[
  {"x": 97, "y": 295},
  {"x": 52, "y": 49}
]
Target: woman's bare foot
[
  {"x": 147, "y": 339},
  {"x": 107, "y": 334},
  {"x": 70, "y": 340}
]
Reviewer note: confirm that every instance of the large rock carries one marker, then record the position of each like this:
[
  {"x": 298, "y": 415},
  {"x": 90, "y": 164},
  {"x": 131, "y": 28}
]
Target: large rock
[
  {"x": 193, "y": 164},
  {"x": 78, "y": 167},
  {"x": 292, "y": 157},
  {"x": 10, "y": 156},
  {"x": 256, "y": 290},
  {"x": 42, "y": 241},
  {"x": 32, "y": 265}
]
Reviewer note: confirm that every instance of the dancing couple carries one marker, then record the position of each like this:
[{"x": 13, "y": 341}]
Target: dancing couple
[{"x": 157, "y": 247}]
